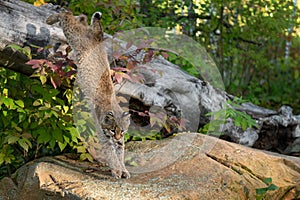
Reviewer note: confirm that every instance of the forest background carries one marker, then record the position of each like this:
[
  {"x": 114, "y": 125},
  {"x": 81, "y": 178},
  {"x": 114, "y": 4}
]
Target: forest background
[{"x": 255, "y": 44}]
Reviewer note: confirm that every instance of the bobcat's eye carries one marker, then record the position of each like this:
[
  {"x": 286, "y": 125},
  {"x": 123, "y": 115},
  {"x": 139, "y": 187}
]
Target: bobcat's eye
[
  {"x": 124, "y": 114},
  {"x": 110, "y": 113}
]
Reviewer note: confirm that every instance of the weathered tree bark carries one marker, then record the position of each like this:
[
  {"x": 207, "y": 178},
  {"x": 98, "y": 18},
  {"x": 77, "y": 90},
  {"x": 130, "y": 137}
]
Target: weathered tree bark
[{"x": 171, "y": 90}]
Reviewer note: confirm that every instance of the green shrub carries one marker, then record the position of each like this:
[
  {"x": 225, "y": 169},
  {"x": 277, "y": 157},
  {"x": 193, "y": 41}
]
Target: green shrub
[{"x": 35, "y": 118}]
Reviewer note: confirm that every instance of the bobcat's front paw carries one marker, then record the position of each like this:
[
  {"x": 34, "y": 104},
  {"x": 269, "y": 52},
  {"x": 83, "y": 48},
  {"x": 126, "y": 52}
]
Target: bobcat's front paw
[
  {"x": 120, "y": 174},
  {"x": 116, "y": 173},
  {"x": 52, "y": 19},
  {"x": 125, "y": 174}
]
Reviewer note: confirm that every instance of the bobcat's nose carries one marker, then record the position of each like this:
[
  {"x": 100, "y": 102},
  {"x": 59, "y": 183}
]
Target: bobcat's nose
[{"x": 119, "y": 133}]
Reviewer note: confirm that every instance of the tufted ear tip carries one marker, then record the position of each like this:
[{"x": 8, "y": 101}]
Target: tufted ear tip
[{"x": 97, "y": 15}]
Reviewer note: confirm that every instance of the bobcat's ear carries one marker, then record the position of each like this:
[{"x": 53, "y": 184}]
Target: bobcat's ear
[
  {"x": 97, "y": 15},
  {"x": 82, "y": 19},
  {"x": 97, "y": 26}
]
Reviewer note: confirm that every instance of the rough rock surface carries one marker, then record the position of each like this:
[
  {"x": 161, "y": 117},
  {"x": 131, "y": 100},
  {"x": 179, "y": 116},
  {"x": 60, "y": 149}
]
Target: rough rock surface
[{"x": 204, "y": 168}]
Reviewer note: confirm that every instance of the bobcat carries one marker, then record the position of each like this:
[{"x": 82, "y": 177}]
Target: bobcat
[{"x": 94, "y": 80}]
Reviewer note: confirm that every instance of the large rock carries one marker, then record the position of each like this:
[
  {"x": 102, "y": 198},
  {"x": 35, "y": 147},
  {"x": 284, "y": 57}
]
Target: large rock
[{"x": 203, "y": 168}]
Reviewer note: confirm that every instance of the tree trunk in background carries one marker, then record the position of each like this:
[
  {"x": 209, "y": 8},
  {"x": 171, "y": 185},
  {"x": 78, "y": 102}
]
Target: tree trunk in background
[{"x": 174, "y": 92}]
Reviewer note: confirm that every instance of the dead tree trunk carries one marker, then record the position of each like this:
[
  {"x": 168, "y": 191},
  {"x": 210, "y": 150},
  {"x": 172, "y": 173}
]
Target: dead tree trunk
[{"x": 177, "y": 94}]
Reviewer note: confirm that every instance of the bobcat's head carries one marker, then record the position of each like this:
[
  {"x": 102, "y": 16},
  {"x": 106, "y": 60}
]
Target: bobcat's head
[{"x": 115, "y": 125}]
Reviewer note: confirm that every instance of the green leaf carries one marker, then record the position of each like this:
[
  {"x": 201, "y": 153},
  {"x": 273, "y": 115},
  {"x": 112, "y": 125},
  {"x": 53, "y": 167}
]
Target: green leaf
[
  {"x": 20, "y": 103},
  {"x": 244, "y": 124},
  {"x": 15, "y": 126},
  {"x": 52, "y": 143},
  {"x": 43, "y": 79},
  {"x": 66, "y": 108},
  {"x": 2, "y": 156},
  {"x": 80, "y": 122},
  {"x": 54, "y": 92},
  {"x": 37, "y": 102},
  {"x": 4, "y": 113},
  {"x": 22, "y": 117},
  {"x": 83, "y": 156},
  {"x": 44, "y": 136},
  {"x": 127, "y": 158},
  {"x": 33, "y": 125},
  {"x": 57, "y": 134},
  {"x": 16, "y": 47},
  {"x": 133, "y": 163},
  {"x": 272, "y": 187},
  {"x": 74, "y": 134},
  {"x": 54, "y": 113},
  {"x": 81, "y": 149},
  {"x": 62, "y": 145},
  {"x": 89, "y": 157},
  {"x": 268, "y": 181},
  {"x": 66, "y": 139},
  {"x": 11, "y": 139},
  {"x": 9, "y": 103},
  {"x": 261, "y": 191},
  {"x": 23, "y": 144}
]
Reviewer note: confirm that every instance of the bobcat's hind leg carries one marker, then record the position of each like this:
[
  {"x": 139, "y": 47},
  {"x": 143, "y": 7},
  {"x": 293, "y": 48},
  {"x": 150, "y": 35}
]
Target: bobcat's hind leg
[
  {"x": 52, "y": 19},
  {"x": 59, "y": 17}
]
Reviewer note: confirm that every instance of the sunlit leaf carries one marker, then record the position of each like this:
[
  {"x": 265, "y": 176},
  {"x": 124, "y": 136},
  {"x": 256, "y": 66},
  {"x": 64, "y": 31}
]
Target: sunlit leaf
[
  {"x": 43, "y": 79},
  {"x": 62, "y": 145},
  {"x": 20, "y": 103},
  {"x": 23, "y": 144}
]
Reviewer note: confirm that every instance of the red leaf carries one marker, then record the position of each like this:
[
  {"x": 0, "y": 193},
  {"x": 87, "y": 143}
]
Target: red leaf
[
  {"x": 36, "y": 61},
  {"x": 129, "y": 44},
  {"x": 117, "y": 54},
  {"x": 120, "y": 69},
  {"x": 56, "y": 81},
  {"x": 118, "y": 77},
  {"x": 149, "y": 42},
  {"x": 141, "y": 45},
  {"x": 142, "y": 114},
  {"x": 53, "y": 82},
  {"x": 165, "y": 55},
  {"x": 137, "y": 78},
  {"x": 53, "y": 67},
  {"x": 36, "y": 66},
  {"x": 130, "y": 65},
  {"x": 70, "y": 73},
  {"x": 127, "y": 77},
  {"x": 40, "y": 49},
  {"x": 58, "y": 54},
  {"x": 59, "y": 64}
]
